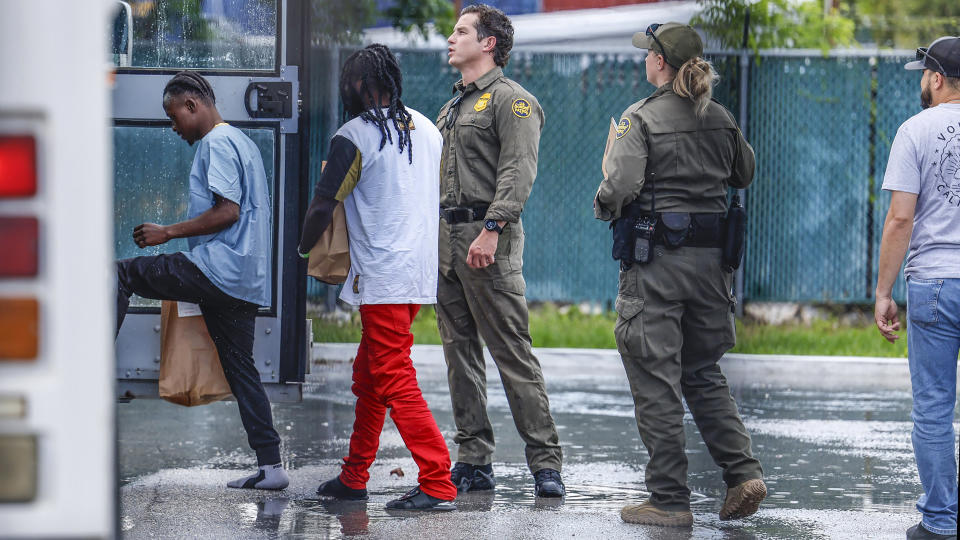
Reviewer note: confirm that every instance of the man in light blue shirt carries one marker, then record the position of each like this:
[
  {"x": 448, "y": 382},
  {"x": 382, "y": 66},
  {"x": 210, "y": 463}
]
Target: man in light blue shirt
[
  {"x": 236, "y": 259},
  {"x": 227, "y": 269}
]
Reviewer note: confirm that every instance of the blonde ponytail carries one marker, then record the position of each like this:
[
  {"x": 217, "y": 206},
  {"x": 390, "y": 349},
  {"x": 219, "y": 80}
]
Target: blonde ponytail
[{"x": 695, "y": 80}]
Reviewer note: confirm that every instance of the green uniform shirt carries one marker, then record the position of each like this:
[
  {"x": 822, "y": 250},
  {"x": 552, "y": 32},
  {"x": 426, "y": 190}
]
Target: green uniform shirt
[
  {"x": 490, "y": 149},
  {"x": 691, "y": 159}
]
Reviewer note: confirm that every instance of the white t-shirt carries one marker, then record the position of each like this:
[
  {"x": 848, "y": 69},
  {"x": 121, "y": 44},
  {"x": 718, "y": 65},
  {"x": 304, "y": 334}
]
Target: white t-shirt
[
  {"x": 925, "y": 159},
  {"x": 393, "y": 216}
]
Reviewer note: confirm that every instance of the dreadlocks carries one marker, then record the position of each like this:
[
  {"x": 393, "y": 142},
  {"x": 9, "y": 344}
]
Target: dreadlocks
[
  {"x": 189, "y": 82},
  {"x": 377, "y": 70}
]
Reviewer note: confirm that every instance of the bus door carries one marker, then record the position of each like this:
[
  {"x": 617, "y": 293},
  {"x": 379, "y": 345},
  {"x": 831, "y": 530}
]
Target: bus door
[{"x": 251, "y": 52}]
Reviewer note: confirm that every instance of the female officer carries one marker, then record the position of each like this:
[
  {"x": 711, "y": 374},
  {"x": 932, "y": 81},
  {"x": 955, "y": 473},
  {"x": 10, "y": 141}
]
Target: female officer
[{"x": 666, "y": 179}]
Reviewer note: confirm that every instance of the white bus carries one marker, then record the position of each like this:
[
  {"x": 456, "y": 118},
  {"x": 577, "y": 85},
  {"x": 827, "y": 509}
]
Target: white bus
[{"x": 86, "y": 153}]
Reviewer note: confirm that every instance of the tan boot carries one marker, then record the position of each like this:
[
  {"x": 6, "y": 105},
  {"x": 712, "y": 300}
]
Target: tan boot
[
  {"x": 743, "y": 500},
  {"x": 647, "y": 514}
]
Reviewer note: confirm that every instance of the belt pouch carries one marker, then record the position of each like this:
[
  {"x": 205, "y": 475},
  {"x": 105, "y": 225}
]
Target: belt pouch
[
  {"x": 623, "y": 239},
  {"x": 676, "y": 227},
  {"x": 706, "y": 230},
  {"x": 734, "y": 235}
]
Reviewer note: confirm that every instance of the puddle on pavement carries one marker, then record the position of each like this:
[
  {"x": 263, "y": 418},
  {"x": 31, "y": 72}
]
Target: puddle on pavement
[{"x": 837, "y": 452}]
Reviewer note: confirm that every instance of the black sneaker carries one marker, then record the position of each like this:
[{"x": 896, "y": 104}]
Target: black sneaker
[
  {"x": 462, "y": 475},
  {"x": 548, "y": 484},
  {"x": 415, "y": 499},
  {"x": 919, "y": 532},
  {"x": 469, "y": 477},
  {"x": 336, "y": 490},
  {"x": 482, "y": 478}
]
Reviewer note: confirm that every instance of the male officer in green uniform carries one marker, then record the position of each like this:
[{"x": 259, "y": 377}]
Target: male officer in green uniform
[
  {"x": 666, "y": 179},
  {"x": 491, "y": 134}
]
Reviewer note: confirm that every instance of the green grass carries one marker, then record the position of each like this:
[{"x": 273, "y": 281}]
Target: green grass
[
  {"x": 552, "y": 326},
  {"x": 822, "y": 338}
]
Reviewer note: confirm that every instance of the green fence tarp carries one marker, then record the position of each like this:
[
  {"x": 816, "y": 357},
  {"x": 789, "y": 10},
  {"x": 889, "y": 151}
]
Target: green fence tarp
[{"x": 821, "y": 127}]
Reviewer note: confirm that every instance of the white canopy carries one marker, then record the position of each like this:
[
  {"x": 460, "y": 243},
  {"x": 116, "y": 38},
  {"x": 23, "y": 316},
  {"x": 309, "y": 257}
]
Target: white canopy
[{"x": 576, "y": 30}]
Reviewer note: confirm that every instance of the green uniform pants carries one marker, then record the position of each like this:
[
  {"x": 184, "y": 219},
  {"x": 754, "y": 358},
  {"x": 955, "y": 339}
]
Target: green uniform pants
[
  {"x": 675, "y": 322},
  {"x": 489, "y": 303}
]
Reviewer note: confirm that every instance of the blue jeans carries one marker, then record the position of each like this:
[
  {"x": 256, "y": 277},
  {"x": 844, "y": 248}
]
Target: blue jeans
[{"x": 933, "y": 342}]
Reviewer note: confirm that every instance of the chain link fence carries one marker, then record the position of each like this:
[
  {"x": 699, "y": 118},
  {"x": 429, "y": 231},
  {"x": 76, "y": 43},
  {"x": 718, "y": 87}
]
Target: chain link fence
[{"x": 821, "y": 127}]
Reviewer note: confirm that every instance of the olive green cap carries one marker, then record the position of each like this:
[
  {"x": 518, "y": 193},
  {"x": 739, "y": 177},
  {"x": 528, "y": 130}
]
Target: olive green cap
[{"x": 681, "y": 42}]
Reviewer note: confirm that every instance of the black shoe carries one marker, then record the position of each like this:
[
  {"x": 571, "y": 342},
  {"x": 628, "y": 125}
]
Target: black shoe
[
  {"x": 336, "y": 490},
  {"x": 548, "y": 484},
  {"x": 919, "y": 532},
  {"x": 469, "y": 477},
  {"x": 415, "y": 499},
  {"x": 462, "y": 475},
  {"x": 482, "y": 478}
]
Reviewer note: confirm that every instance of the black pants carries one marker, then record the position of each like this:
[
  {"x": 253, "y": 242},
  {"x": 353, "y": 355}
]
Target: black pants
[{"x": 230, "y": 322}]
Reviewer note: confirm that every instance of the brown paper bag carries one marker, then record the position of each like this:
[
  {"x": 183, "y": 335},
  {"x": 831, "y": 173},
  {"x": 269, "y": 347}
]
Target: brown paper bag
[
  {"x": 330, "y": 257},
  {"x": 190, "y": 371}
]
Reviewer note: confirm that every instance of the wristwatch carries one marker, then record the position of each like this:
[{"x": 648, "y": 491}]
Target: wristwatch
[{"x": 492, "y": 225}]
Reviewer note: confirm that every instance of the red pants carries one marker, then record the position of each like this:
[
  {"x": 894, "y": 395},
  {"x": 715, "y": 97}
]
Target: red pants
[{"x": 384, "y": 377}]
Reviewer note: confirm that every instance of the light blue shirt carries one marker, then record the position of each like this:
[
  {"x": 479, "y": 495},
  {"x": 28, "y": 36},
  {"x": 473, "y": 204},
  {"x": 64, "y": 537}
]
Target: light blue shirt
[{"x": 236, "y": 259}]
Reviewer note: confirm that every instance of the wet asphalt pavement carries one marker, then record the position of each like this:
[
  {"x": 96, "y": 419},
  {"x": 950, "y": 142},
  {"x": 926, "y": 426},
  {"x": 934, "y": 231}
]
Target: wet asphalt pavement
[{"x": 833, "y": 437}]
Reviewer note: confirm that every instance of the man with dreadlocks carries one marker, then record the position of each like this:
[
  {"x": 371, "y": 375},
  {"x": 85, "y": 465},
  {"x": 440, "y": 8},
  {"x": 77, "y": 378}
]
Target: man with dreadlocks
[
  {"x": 227, "y": 267},
  {"x": 491, "y": 132},
  {"x": 383, "y": 165}
]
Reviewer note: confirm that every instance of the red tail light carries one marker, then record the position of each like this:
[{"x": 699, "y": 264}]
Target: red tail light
[{"x": 18, "y": 166}]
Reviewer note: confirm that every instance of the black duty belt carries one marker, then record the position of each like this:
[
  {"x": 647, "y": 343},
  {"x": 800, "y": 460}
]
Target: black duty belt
[
  {"x": 705, "y": 230},
  {"x": 463, "y": 214},
  {"x": 709, "y": 241}
]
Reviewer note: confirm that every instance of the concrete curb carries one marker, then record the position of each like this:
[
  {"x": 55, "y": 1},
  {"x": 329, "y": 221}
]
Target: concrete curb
[
  {"x": 751, "y": 370},
  {"x": 344, "y": 352}
]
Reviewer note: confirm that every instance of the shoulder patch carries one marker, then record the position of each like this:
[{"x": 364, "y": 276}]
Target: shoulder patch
[
  {"x": 623, "y": 127},
  {"x": 522, "y": 108},
  {"x": 482, "y": 102}
]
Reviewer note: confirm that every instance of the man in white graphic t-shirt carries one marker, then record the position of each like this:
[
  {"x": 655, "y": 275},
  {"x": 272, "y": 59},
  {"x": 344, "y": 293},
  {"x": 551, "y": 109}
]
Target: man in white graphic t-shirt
[
  {"x": 923, "y": 176},
  {"x": 383, "y": 165}
]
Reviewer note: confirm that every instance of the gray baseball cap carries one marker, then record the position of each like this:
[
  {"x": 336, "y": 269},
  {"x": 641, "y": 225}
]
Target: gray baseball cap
[
  {"x": 942, "y": 56},
  {"x": 676, "y": 42}
]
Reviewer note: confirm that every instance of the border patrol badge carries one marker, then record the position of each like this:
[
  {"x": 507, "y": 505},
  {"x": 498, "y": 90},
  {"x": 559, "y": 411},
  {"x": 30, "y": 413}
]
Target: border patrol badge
[
  {"x": 481, "y": 103},
  {"x": 521, "y": 108},
  {"x": 623, "y": 127}
]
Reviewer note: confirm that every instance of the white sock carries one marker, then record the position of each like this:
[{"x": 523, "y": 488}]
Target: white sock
[{"x": 267, "y": 477}]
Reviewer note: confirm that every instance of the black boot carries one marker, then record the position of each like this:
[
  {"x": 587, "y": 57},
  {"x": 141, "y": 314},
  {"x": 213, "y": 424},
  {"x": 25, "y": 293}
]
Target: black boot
[
  {"x": 482, "y": 478},
  {"x": 469, "y": 477},
  {"x": 548, "y": 484},
  {"x": 462, "y": 475}
]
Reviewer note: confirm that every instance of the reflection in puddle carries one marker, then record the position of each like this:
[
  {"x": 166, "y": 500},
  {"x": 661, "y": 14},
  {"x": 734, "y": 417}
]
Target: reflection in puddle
[
  {"x": 352, "y": 515},
  {"x": 269, "y": 512},
  {"x": 835, "y": 462}
]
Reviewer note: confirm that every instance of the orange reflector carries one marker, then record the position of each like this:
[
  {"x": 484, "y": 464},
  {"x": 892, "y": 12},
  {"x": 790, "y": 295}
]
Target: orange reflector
[
  {"x": 19, "y": 328},
  {"x": 19, "y": 238},
  {"x": 18, "y": 166}
]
